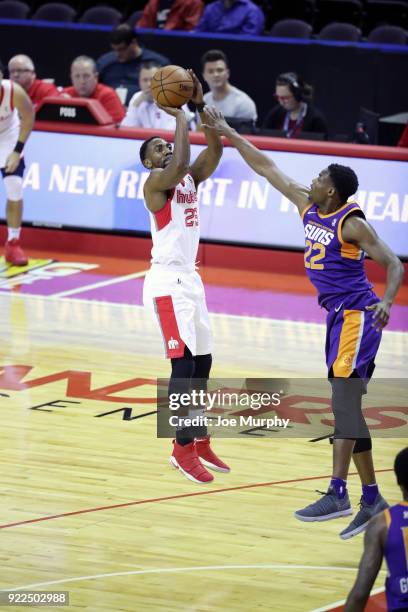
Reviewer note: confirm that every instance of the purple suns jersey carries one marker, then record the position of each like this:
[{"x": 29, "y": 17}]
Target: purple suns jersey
[
  {"x": 335, "y": 267},
  {"x": 396, "y": 556}
]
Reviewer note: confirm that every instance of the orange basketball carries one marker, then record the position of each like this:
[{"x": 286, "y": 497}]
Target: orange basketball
[{"x": 172, "y": 86}]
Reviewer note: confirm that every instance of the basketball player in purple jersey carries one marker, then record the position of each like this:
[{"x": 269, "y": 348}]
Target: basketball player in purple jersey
[
  {"x": 337, "y": 235},
  {"x": 386, "y": 536},
  {"x": 173, "y": 291}
]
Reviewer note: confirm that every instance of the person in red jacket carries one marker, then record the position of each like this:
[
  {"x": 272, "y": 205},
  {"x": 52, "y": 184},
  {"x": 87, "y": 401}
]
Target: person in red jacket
[
  {"x": 171, "y": 14},
  {"x": 84, "y": 78},
  {"x": 22, "y": 71}
]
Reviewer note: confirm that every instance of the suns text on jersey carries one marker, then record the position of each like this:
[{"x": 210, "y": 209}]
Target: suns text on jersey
[{"x": 318, "y": 234}]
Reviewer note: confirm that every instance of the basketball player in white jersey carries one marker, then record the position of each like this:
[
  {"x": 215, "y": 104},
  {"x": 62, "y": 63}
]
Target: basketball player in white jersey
[
  {"x": 16, "y": 123},
  {"x": 173, "y": 290}
]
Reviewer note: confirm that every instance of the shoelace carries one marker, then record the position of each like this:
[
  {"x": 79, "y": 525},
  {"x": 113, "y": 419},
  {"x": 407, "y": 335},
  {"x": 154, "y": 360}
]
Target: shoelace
[{"x": 360, "y": 503}]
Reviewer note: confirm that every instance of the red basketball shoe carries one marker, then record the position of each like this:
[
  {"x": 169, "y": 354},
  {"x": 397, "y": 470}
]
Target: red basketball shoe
[
  {"x": 208, "y": 457},
  {"x": 185, "y": 459},
  {"x": 14, "y": 254}
]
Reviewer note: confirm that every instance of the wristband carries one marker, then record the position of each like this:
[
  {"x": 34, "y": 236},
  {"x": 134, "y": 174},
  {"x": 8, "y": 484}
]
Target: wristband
[
  {"x": 200, "y": 107},
  {"x": 19, "y": 146}
]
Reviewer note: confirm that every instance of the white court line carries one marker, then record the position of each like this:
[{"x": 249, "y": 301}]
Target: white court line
[
  {"x": 175, "y": 570},
  {"x": 105, "y": 283},
  {"x": 341, "y": 602},
  {"x": 212, "y": 314},
  {"x": 128, "y": 305}
]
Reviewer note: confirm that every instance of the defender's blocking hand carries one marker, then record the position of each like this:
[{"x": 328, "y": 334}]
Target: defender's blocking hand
[{"x": 216, "y": 121}]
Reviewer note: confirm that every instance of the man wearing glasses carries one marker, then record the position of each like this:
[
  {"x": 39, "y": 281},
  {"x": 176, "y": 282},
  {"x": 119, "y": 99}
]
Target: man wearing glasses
[
  {"x": 22, "y": 71},
  {"x": 294, "y": 114}
]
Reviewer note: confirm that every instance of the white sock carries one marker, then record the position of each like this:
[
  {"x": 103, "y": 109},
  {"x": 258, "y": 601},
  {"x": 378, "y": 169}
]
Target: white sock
[{"x": 14, "y": 233}]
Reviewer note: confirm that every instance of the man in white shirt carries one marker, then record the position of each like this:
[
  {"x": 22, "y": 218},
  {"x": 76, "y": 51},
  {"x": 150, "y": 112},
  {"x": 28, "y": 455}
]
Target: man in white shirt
[
  {"x": 231, "y": 101},
  {"x": 143, "y": 112}
]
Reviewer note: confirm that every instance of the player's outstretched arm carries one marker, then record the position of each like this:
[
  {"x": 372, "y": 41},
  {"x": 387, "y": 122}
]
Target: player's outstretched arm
[
  {"x": 25, "y": 109},
  {"x": 370, "y": 564},
  {"x": 208, "y": 160},
  {"x": 164, "y": 179},
  {"x": 357, "y": 231},
  {"x": 258, "y": 161}
]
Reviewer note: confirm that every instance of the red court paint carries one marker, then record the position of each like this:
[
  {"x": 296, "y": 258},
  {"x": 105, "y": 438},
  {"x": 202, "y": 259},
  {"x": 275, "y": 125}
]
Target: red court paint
[{"x": 170, "y": 497}]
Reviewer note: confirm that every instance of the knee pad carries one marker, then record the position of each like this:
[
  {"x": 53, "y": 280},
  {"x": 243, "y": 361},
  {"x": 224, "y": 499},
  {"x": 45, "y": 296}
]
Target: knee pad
[
  {"x": 13, "y": 186},
  {"x": 362, "y": 445},
  {"x": 346, "y": 405}
]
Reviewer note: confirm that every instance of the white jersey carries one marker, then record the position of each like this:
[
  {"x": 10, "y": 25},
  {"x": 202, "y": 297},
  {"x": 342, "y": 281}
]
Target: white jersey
[
  {"x": 9, "y": 121},
  {"x": 175, "y": 228}
]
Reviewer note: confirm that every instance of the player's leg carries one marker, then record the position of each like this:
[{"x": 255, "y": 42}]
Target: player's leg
[
  {"x": 363, "y": 460},
  {"x": 13, "y": 184},
  {"x": 184, "y": 379},
  {"x": 335, "y": 502},
  {"x": 342, "y": 451},
  {"x": 203, "y": 363},
  {"x": 184, "y": 456},
  {"x": 170, "y": 296},
  {"x": 351, "y": 346},
  {"x": 371, "y": 501}
]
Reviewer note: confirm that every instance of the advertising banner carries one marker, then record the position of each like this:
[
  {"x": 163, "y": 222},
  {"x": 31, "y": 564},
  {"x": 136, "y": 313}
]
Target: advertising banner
[{"x": 97, "y": 183}]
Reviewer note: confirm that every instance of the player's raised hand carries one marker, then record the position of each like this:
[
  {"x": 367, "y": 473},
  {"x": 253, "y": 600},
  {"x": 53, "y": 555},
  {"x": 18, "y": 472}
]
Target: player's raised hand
[
  {"x": 170, "y": 110},
  {"x": 197, "y": 97},
  {"x": 381, "y": 314},
  {"x": 216, "y": 121}
]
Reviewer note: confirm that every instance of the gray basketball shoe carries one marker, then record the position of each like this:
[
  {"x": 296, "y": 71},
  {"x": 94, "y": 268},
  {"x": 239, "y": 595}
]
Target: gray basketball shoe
[
  {"x": 366, "y": 512},
  {"x": 326, "y": 508}
]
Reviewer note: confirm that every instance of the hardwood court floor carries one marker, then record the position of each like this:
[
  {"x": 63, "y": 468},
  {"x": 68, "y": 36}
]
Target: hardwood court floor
[{"x": 90, "y": 505}]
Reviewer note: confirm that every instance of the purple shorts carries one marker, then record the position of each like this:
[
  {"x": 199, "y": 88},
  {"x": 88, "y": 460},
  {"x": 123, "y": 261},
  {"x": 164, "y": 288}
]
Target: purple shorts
[{"x": 351, "y": 340}]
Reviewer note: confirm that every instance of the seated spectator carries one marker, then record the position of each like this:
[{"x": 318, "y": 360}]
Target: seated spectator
[
  {"x": 403, "y": 141},
  {"x": 295, "y": 112},
  {"x": 120, "y": 67},
  {"x": 143, "y": 111},
  {"x": 171, "y": 14},
  {"x": 230, "y": 100},
  {"x": 232, "y": 17},
  {"x": 22, "y": 71},
  {"x": 84, "y": 78}
]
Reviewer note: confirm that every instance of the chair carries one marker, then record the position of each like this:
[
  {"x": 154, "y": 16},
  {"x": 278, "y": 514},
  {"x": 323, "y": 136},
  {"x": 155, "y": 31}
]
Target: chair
[
  {"x": 392, "y": 35},
  {"x": 14, "y": 9},
  {"x": 340, "y": 11},
  {"x": 55, "y": 11},
  {"x": 291, "y": 28},
  {"x": 341, "y": 32},
  {"x": 291, "y": 9},
  {"x": 134, "y": 18},
  {"x": 386, "y": 12},
  {"x": 102, "y": 15}
]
